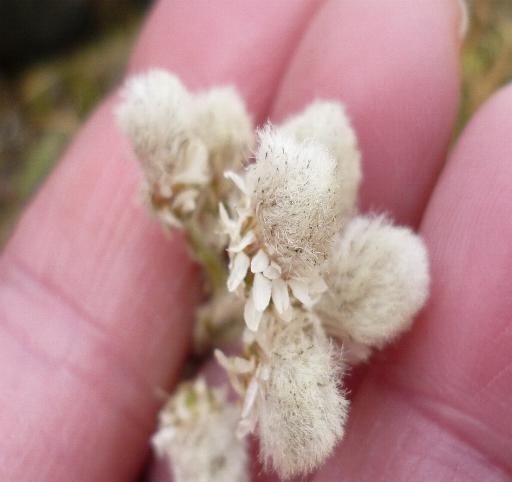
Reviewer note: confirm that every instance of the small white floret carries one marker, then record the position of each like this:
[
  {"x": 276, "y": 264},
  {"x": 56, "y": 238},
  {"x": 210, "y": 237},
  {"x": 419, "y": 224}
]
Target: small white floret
[
  {"x": 247, "y": 239},
  {"x": 280, "y": 295},
  {"x": 378, "y": 280},
  {"x": 301, "y": 291},
  {"x": 273, "y": 271},
  {"x": 237, "y": 180},
  {"x": 252, "y": 315},
  {"x": 260, "y": 262}
]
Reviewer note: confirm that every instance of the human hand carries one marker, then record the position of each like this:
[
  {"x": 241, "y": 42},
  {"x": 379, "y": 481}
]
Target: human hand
[{"x": 96, "y": 306}]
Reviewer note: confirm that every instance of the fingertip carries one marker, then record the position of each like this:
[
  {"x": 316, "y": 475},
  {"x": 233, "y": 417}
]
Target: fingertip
[
  {"x": 396, "y": 67},
  {"x": 237, "y": 42}
]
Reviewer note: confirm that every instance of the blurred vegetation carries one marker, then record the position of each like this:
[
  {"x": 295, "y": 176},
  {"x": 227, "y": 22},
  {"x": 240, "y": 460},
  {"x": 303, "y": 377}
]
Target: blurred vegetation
[
  {"x": 44, "y": 100},
  {"x": 487, "y": 54}
]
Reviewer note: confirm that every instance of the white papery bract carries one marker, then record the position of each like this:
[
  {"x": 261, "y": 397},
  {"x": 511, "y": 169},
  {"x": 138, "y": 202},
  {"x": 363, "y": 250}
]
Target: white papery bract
[
  {"x": 197, "y": 434},
  {"x": 378, "y": 280},
  {"x": 296, "y": 199},
  {"x": 269, "y": 282},
  {"x": 327, "y": 124},
  {"x": 301, "y": 410}
]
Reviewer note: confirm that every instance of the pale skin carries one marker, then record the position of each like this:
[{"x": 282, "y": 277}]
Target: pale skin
[{"x": 96, "y": 304}]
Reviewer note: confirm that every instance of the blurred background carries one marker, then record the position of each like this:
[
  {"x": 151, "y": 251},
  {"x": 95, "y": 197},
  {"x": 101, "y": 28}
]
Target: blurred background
[{"x": 58, "y": 58}]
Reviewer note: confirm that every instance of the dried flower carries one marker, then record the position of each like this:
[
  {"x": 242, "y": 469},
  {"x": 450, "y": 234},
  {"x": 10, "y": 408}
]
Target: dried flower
[
  {"x": 157, "y": 115},
  {"x": 197, "y": 434},
  {"x": 378, "y": 280},
  {"x": 296, "y": 199},
  {"x": 290, "y": 386}
]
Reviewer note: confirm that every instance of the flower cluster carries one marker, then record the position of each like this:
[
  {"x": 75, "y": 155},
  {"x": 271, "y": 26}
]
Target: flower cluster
[
  {"x": 284, "y": 225},
  {"x": 197, "y": 433},
  {"x": 183, "y": 142},
  {"x": 309, "y": 283}
]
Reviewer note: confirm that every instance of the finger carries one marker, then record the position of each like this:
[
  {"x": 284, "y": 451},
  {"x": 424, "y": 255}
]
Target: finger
[
  {"x": 246, "y": 44},
  {"x": 395, "y": 66},
  {"x": 440, "y": 407},
  {"x": 96, "y": 306}
]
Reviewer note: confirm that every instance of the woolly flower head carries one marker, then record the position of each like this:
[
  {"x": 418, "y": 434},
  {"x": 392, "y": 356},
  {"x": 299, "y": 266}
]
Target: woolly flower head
[
  {"x": 184, "y": 142},
  {"x": 378, "y": 279},
  {"x": 225, "y": 127},
  {"x": 197, "y": 434},
  {"x": 291, "y": 397},
  {"x": 326, "y": 123},
  {"x": 296, "y": 198},
  {"x": 157, "y": 115},
  {"x": 301, "y": 410}
]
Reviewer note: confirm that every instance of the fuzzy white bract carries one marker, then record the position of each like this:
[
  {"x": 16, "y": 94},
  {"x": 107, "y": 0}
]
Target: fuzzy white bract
[
  {"x": 157, "y": 115},
  {"x": 327, "y": 124},
  {"x": 296, "y": 199},
  {"x": 378, "y": 280},
  {"x": 291, "y": 393},
  {"x": 301, "y": 409},
  {"x": 225, "y": 128},
  {"x": 197, "y": 434}
]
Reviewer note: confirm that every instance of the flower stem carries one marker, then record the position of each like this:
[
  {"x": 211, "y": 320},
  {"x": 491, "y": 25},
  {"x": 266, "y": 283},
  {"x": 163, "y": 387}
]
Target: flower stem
[{"x": 210, "y": 260}]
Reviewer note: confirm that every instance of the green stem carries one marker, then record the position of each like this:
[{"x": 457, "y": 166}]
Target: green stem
[{"x": 211, "y": 262}]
